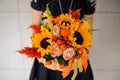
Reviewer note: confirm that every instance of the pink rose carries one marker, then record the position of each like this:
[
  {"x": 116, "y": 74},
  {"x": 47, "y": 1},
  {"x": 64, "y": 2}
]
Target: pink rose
[
  {"x": 68, "y": 53},
  {"x": 55, "y": 50}
]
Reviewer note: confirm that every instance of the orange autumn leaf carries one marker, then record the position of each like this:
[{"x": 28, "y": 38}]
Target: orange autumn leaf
[
  {"x": 75, "y": 13},
  {"x": 48, "y": 63},
  {"x": 35, "y": 28},
  {"x": 62, "y": 66},
  {"x": 68, "y": 68},
  {"x": 30, "y": 52},
  {"x": 84, "y": 61}
]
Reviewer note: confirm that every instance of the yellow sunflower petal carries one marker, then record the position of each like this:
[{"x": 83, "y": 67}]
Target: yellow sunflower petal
[{"x": 37, "y": 38}]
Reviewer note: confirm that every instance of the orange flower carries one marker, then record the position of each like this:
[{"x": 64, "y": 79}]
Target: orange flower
[
  {"x": 54, "y": 38},
  {"x": 65, "y": 32},
  {"x": 56, "y": 21}
]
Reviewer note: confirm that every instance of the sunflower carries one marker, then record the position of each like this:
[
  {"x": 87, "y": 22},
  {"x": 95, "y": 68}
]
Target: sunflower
[
  {"x": 65, "y": 20},
  {"x": 85, "y": 31},
  {"x": 74, "y": 27},
  {"x": 80, "y": 35},
  {"x": 42, "y": 41}
]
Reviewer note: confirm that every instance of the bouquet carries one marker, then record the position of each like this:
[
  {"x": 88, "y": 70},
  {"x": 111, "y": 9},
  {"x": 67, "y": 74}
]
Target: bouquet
[{"x": 61, "y": 43}]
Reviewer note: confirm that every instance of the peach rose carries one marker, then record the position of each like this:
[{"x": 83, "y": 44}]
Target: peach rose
[
  {"x": 68, "y": 53},
  {"x": 47, "y": 21},
  {"x": 56, "y": 31},
  {"x": 55, "y": 50}
]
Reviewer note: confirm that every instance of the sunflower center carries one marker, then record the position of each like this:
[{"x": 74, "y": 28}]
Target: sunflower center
[
  {"x": 79, "y": 37},
  {"x": 66, "y": 23},
  {"x": 44, "y": 44}
]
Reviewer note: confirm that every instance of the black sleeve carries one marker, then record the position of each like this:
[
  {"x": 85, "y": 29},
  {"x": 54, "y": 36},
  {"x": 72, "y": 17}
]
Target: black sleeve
[
  {"x": 39, "y": 4},
  {"x": 89, "y": 6}
]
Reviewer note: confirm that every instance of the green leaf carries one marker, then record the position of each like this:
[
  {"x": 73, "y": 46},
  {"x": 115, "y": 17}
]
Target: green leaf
[
  {"x": 95, "y": 29},
  {"x": 65, "y": 63},
  {"x": 48, "y": 10},
  {"x": 48, "y": 57},
  {"x": 91, "y": 30},
  {"x": 60, "y": 60}
]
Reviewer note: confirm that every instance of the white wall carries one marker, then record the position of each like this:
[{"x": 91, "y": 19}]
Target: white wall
[
  {"x": 105, "y": 53},
  {"x": 15, "y": 17}
]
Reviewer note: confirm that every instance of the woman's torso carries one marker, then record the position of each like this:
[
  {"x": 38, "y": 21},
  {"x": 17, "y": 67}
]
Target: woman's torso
[{"x": 66, "y": 5}]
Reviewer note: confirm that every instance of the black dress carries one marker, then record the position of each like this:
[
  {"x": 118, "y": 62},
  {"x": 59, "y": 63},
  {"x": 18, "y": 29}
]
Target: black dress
[{"x": 39, "y": 72}]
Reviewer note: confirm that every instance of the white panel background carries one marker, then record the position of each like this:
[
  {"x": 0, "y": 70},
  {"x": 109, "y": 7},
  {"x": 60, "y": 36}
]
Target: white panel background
[{"x": 15, "y": 17}]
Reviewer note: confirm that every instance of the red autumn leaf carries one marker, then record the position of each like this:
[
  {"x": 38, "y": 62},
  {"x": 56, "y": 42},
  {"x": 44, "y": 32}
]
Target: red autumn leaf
[
  {"x": 30, "y": 52},
  {"x": 75, "y": 13},
  {"x": 35, "y": 28}
]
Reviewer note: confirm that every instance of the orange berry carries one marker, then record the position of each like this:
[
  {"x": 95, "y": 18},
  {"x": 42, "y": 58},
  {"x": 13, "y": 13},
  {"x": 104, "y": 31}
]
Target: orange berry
[
  {"x": 59, "y": 41},
  {"x": 63, "y": 46}
]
